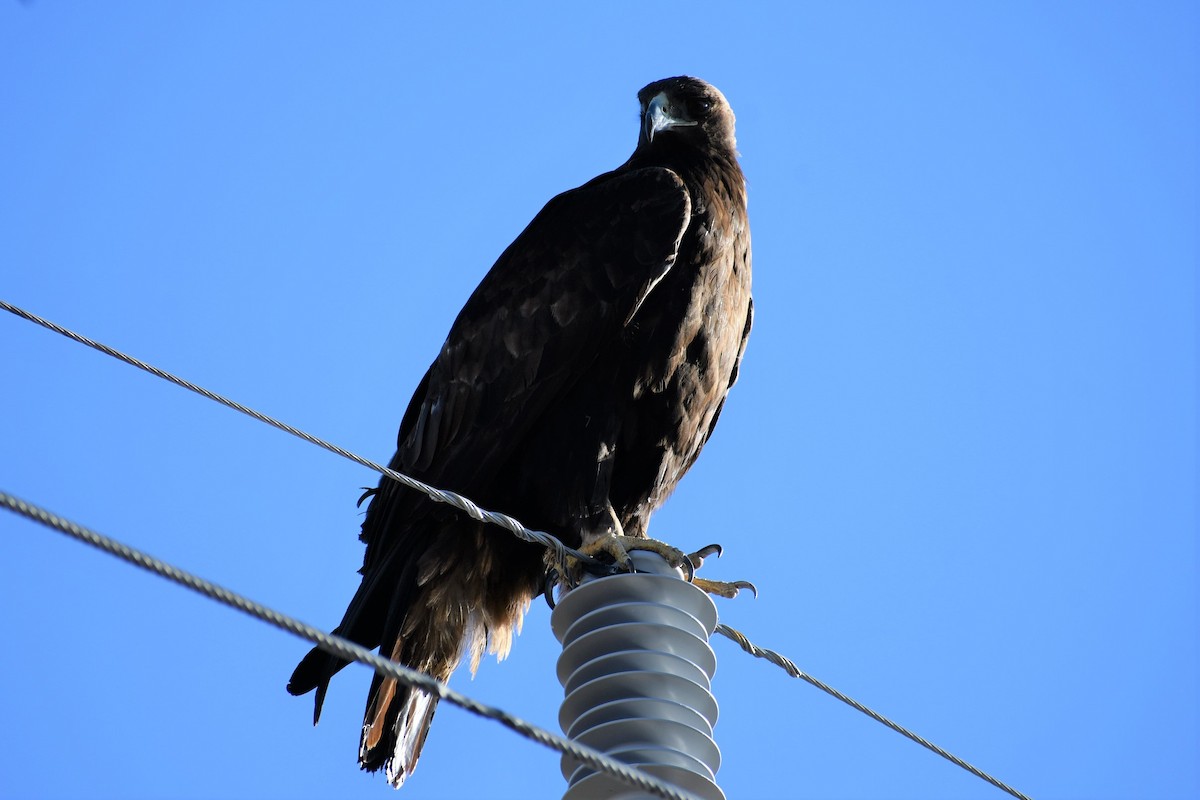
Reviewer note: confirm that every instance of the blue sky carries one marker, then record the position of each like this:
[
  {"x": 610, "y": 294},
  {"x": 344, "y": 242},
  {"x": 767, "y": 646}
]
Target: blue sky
[{"x": 961, "y": 464}]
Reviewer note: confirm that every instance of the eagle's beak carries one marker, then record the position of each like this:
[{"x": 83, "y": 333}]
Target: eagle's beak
[{"x": 660, "y": 118}]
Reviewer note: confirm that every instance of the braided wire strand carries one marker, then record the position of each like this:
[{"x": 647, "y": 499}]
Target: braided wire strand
[
  {"x": 788, "y": 666},
  {"x": 465, "y": 505},
  {"x": 346, "y": 649}
]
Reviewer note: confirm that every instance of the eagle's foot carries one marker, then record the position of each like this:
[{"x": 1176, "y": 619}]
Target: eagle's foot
[
  {"x": 729, "y": 589},
  {"x": 618, "y": 546},
  {"x": 613, "y": 550}
]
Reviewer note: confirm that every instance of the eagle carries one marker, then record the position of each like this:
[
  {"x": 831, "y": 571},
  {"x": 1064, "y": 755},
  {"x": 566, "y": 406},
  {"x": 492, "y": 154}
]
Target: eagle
[{"x": 576, "y": 387}]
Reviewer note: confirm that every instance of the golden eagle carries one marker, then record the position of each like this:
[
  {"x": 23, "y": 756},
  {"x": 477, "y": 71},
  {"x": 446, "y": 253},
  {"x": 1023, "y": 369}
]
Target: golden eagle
[{"x": 574, "y": 390}]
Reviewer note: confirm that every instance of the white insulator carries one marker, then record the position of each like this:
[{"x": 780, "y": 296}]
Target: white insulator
[{"x": 636, "y": 668}]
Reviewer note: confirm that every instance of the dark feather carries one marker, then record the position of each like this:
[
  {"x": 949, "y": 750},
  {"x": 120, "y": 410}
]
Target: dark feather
[{"x": 578, "y": 384}]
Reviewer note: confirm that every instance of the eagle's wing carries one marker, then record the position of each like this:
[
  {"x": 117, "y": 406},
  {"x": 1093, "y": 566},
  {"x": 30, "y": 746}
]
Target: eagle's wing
[
  {"x": 560, "y": 292},
  {"x": 536, "y": 323},
  {"x": 733, "y": 375}
]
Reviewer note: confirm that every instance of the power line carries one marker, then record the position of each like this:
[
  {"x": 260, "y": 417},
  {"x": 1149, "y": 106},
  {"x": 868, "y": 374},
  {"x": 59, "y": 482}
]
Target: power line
[
  {"x": 475, "y": 512},
  {"x": 463, "y": 504},
  {"x": 791, "y": 669},
  {"x": 344, "y": 648}
]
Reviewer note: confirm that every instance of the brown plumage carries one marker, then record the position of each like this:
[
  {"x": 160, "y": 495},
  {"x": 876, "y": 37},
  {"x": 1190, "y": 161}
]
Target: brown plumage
[{"x": 575, "y": 388}]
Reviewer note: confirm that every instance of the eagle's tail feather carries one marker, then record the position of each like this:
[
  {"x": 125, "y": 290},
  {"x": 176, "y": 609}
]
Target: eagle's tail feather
[
  {"x": 428, "y": 636},
  {"x": 394, "y": 740},
  {"x": 462, "y": 592}
]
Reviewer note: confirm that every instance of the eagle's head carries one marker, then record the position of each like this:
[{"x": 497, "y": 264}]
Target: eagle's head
[{"x": 687, "y": 110}]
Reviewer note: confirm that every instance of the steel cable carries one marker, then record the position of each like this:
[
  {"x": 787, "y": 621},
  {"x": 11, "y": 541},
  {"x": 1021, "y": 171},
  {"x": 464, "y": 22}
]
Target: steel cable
[
  {"x": 790, "y": 668},
  {"x": 463, "y": 504},
  {"x": 475, "y": 512},
  {"x": 344, "y": 648}
]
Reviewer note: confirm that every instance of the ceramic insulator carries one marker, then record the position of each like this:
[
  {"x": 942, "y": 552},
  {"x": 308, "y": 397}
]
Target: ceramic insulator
[{"x": 636, "y": 669}]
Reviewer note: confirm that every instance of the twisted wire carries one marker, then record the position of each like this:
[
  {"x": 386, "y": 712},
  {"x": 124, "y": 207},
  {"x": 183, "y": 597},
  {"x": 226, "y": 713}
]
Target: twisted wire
[
  {"x": 463, "y": 504},
  {"x": 483, "y": 515},
  {"x": 788, "y": 666},
  {"x": 345, "y": 649}
]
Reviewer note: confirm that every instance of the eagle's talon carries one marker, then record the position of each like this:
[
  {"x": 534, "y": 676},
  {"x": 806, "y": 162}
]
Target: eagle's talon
[
  {"x": 747, "y": 585},
  {"x": 704, "y": 552},
  {"x": 689, "y": 568},
  {"x": 549, "y": 582}
]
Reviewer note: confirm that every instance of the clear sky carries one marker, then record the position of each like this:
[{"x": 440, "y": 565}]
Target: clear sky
[{"x": 960, "y": 464}]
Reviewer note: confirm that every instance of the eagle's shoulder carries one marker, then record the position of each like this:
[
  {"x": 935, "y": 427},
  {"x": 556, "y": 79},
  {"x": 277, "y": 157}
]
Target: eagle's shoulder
[{"x": 615, "y": 231}]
